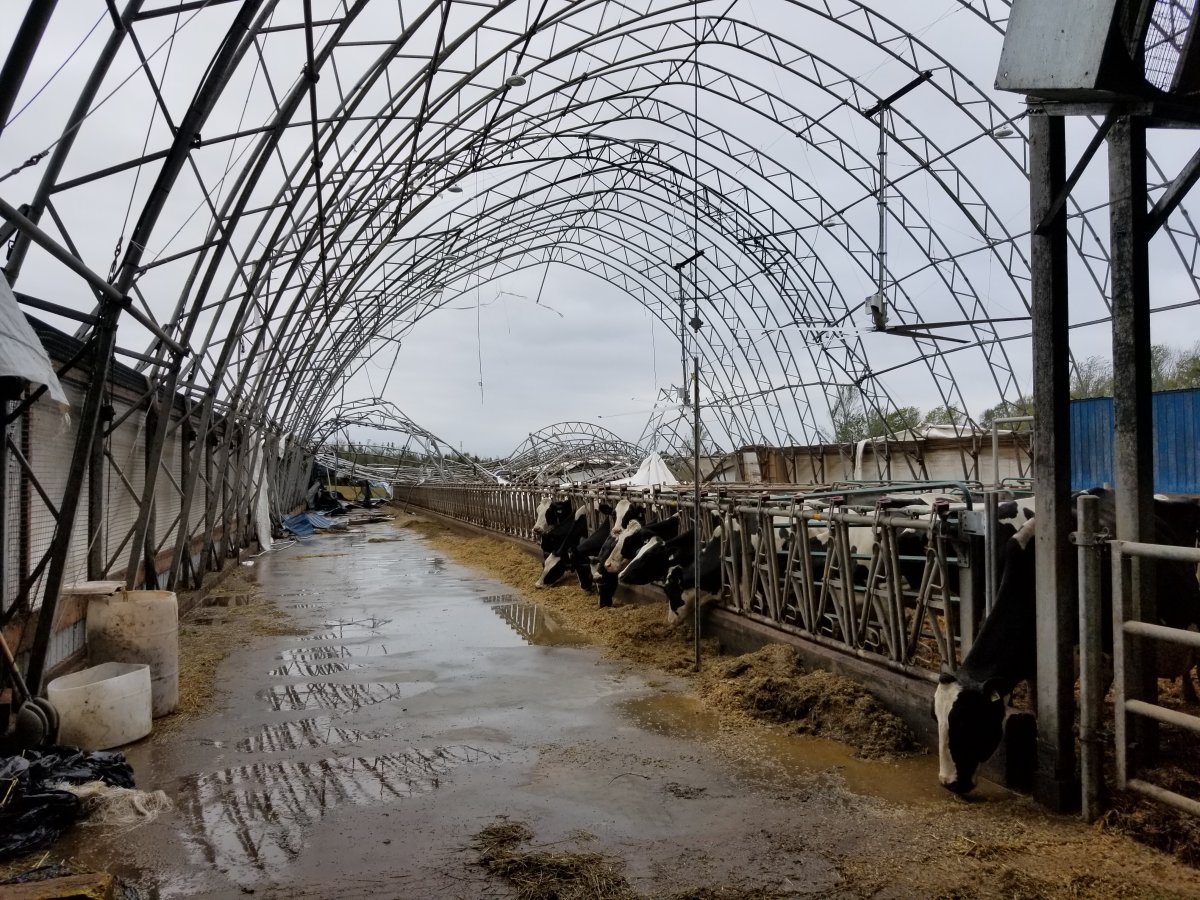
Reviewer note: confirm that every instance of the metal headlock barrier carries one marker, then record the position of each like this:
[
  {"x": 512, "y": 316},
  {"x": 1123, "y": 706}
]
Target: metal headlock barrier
[{"x": 789, "y": 562}]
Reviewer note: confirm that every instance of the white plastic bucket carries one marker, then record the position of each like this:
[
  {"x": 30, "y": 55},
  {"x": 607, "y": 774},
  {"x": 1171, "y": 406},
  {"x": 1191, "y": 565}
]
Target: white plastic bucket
[
  {"x": 105, "y": 706},
  {"x": 139, "y": 627}
]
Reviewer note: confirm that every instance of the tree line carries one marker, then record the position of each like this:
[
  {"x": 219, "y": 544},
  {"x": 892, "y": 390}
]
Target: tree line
[{"x": 1171, "y": 369}]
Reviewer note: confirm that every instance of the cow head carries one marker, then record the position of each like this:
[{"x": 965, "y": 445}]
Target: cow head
[
  {"x": 553, "y": 569},
  {"x": 679, "y": 601},
  {"x": 970, "y": 722},
  {"x": 623, "y": 549},
  {"x": 651, "y": 558},
  {"x": 539, "y": 522},
  {"x": 556, "y": 512},
  {"x": 625, "y": 512}
]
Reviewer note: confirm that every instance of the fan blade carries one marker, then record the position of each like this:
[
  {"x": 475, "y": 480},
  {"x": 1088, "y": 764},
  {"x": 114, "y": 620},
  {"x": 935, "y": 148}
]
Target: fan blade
[
  {"x": 959, "y": 322},
  {"x": 904, "y": 331}
]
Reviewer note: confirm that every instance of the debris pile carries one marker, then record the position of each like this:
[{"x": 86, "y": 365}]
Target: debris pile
[{"x": 36, "y": 804}]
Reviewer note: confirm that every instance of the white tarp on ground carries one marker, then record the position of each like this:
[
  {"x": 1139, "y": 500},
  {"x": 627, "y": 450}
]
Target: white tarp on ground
[
  {"x": 652, "y": 471},
  {"x": 21, "y": 353}
]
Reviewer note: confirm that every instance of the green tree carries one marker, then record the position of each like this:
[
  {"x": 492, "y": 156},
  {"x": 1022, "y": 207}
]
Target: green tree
[
  {"x": 899, "y": 419},
  {"x": 845, "y": 411},
  {"x": 1022, "y": 406},
  {"x": 1092, "y": 377},
  {"x": 943, "y": 415}
]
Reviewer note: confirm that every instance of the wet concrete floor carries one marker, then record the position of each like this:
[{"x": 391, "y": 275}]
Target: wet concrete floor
[{"x": 360, "y": 759}]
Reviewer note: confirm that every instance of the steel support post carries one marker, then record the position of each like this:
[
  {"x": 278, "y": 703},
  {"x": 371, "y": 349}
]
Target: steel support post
[
  {"x": 9, "y": 390},
  {"x": 1091, "y": 688},
  {"x": 147, "y": 515},
  {"x": 1055, "y": 783},
  {"x": 89, "y": 417},
  {"x": 1133, "y": 456},
  {"x": 96, "y": 563}
]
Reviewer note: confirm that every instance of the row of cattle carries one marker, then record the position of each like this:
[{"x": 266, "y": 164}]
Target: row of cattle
[
  {"x": 626, "y": 548},
  {"x": 970, "y": 703}
]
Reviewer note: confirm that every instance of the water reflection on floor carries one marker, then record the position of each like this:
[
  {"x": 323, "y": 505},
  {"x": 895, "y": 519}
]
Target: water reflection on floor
[
  {"x": 779, "y": 753},
  {"x": 254, "y": 818}
]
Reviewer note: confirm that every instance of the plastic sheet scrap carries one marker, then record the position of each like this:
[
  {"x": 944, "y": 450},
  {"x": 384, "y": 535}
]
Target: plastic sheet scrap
[
  {"x": 33, "y": 812},
  {"x": 305, "y": 523}
]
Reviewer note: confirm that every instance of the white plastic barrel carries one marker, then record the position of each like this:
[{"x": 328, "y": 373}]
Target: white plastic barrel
[
  {"x": 139, "y": 627},
  {"x": 105, "y": 706}
]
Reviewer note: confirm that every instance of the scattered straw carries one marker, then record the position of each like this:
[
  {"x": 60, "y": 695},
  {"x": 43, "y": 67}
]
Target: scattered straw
[
  {"x": 109, "y": 805},
  {"x": 772, "y": 684},
  {"x": 1156, "y": 824},
  {"x": 546, "y": 875}
]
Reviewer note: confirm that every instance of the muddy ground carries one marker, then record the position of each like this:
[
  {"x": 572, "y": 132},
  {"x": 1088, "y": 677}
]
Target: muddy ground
[{"x": 397, "y": 704}]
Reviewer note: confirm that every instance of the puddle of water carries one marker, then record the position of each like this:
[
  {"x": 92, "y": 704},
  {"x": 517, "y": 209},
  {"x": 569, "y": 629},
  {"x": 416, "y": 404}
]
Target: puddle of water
[
  {"x": 312, "y": 670},
  {"x": 369, "y": 623},
  {"x": 531, "y": 621},
  {"x": 912, "y": 780},
  {"x": 499, "y": 598},
  {"x": 335, "y": 695},
  {"x": 252, "y": 820},
  {"x": 320, "y": 731},
  {"x": 333, "y": 651}
]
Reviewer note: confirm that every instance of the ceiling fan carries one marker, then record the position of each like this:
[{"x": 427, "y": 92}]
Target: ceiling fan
[{"x": 877, "y": 306}]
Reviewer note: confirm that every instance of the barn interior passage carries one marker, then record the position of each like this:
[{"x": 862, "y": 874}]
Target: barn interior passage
[
  {"x": 836, "y": 285},
  {"x": 412, "y": 703}
]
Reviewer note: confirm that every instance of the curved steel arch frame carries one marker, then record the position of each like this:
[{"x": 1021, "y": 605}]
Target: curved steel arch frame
[{"x": 287, "y": 225}]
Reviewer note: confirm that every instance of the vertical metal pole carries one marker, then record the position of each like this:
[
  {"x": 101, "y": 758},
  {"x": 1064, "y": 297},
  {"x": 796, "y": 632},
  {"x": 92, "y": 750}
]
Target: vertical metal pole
[
  {"x": 8, "y": 390},
  {"x": 995, "y": 455},
  {"x": 991, "y": 550},
  {"x": 105, "y": 341},
  {"x": 882, "y": 204},
  {"x": 95, "y": 511},
  {"x": 152, "y": 456},
  {"x": 1133, "y": 457},
  {"x": 1122, "y": 604},
  {"x": 1055, "y": 782},
  {"x": 696, "y": 495},
  {"x": 20, "y": 54},
  {"x": 1091, "y": 690}
]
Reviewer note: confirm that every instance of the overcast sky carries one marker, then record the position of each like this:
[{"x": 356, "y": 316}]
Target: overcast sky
[{"x": 553, "y": 345}]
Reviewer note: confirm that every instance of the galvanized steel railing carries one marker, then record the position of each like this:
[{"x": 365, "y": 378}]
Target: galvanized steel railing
[{"x": 773, "y": 575}]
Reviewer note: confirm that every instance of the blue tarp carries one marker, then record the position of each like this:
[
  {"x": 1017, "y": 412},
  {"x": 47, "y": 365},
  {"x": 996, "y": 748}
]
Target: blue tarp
[
  {"x": 298, "y": 525},
  {"x": 305, "y": 523}
]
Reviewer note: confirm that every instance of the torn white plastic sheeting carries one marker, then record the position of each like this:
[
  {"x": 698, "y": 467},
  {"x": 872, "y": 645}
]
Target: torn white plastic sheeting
[
  {"x": 262, "y": 506},
  {"x": 652, "y": 471},
  {"x": 21, "y": 353}
]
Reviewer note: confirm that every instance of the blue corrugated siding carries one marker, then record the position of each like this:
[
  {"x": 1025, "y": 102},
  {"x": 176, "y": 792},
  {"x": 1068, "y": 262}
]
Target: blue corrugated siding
[
  {"x": 1176, "y": 434},
  {"x": 1091, "y": 442},
  {"x": 1176, "y": 442}
]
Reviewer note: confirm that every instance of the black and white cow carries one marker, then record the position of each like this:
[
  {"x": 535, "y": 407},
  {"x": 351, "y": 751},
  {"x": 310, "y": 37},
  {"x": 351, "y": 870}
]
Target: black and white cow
[
  {"x": 970, "y": 704},
  {"x": 698, "y": 581},
  {"x": 634, "y": 536},
  {"x": 657, "y": 556},
  {"x": 558, "y": 544},
  {"x": 551, "y": 512},
  {"x": 573, "y": 547}
]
